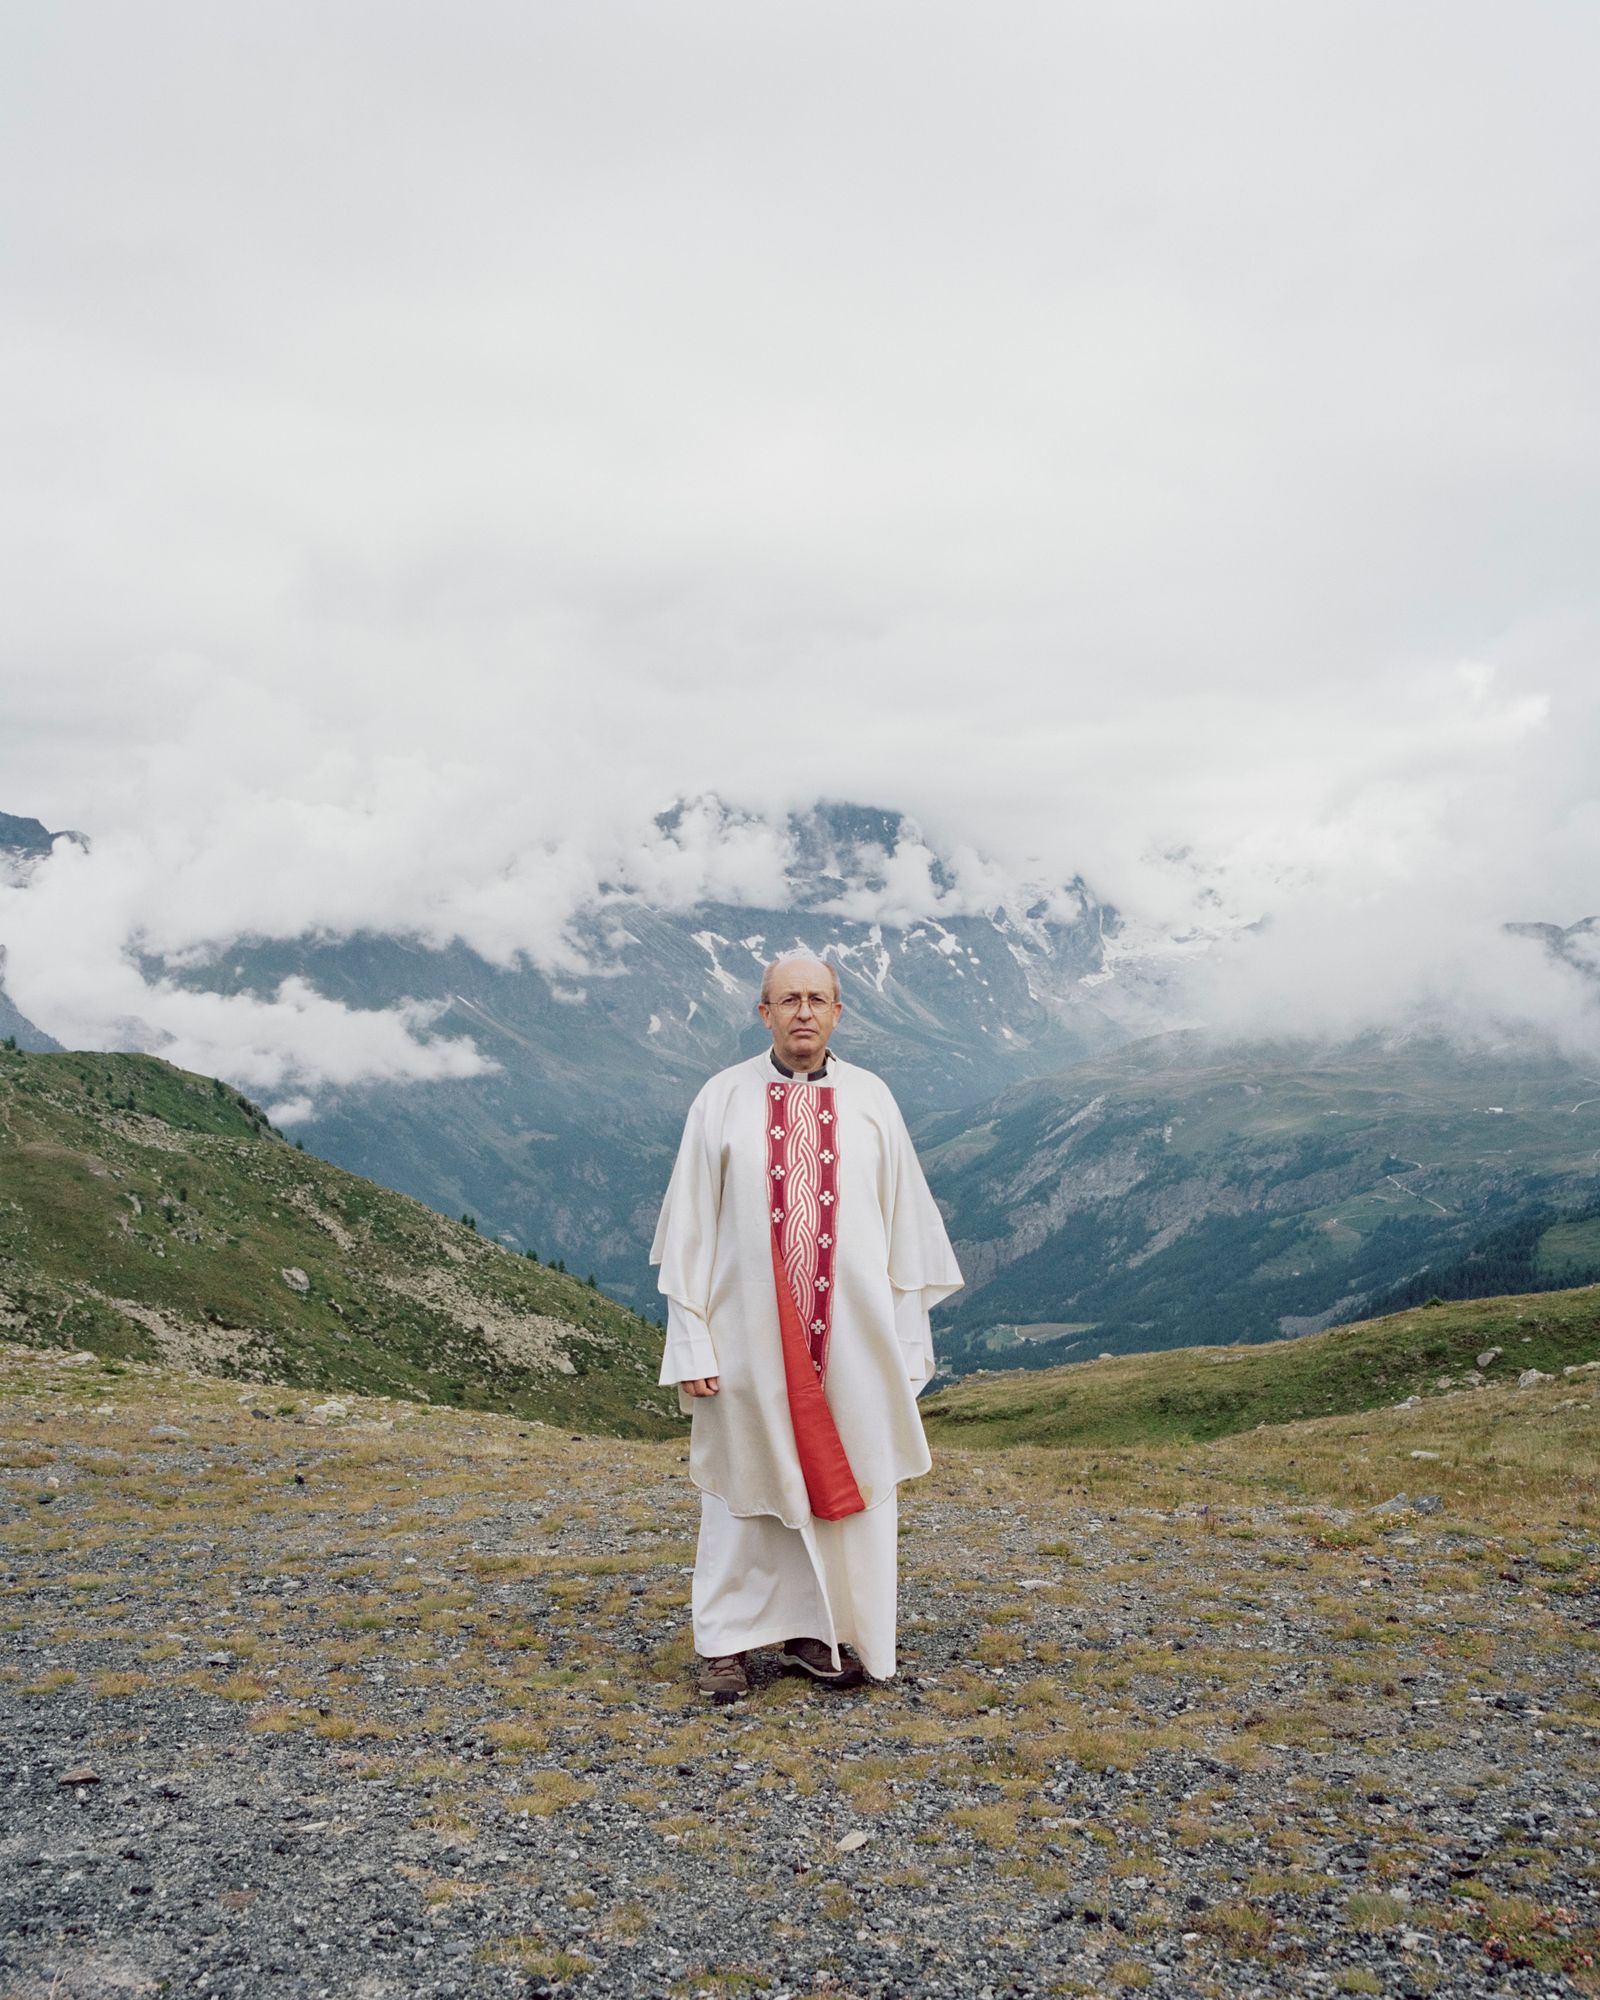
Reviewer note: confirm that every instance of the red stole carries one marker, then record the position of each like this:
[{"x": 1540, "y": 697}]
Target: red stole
[{"x": 803, "y": 1183}]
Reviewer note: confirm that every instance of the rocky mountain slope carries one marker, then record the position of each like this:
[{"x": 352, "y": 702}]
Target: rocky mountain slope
[
  {"x": 1175, "y": 1193},
  {"x": 1103, "y": 1195},
  {"x": 149, "y": 1213},
  {"x": 568, "y": 1142}
]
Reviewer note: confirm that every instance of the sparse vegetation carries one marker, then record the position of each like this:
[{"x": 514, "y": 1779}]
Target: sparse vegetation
[
  {"x": 1154, "y": 1694},
  {"x": 176, "y": 1227},
  {"x": 1200, "y": 1393}
]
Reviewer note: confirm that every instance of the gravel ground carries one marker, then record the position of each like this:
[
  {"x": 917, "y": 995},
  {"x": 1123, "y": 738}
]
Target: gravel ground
[{"x": 382, "y": 1701}]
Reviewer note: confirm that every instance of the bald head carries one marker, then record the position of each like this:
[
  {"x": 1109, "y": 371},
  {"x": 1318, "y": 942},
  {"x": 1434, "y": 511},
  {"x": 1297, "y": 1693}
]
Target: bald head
[{"x": 796, "y": 970}]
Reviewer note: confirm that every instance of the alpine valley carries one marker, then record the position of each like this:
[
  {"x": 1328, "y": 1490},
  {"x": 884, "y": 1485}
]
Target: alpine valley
[{"x": 1113, "y": 1180}]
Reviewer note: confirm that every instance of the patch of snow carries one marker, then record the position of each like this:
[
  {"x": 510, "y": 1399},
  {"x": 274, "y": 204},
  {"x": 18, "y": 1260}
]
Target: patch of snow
[{"x": 708, "y": 942}]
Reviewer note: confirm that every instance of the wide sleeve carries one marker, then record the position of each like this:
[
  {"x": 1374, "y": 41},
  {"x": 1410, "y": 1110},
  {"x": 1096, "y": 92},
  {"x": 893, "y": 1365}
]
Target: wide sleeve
[
  {"x": 690, "y": 1354},
  {"x": 685, "y": 1247},
  {"x": 922, "y": 1265},
  {"x": 916, "y": 1337}
]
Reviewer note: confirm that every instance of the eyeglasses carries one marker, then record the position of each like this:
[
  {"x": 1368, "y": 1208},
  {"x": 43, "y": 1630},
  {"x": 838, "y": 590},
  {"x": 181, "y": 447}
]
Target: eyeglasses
[{"x": 792, "y": 1002}]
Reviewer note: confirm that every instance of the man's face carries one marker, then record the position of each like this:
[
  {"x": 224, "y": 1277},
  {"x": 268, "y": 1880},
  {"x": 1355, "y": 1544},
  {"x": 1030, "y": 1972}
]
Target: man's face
[{"x": 802, "y": 1013}]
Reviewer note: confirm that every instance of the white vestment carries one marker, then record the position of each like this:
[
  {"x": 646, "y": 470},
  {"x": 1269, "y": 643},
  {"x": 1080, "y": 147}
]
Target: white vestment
[{"x": 766, "y": 1569}]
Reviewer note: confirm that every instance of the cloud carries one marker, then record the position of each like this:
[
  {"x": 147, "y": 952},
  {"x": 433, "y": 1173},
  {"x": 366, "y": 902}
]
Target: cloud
[
  {"x": 705, "y": 854},
  {"x": 292, "y": 1111},
  {"x": 431, "y": 449},
  {"x": 67, "y": 961},
  {"x": 1339, "y": 970}
]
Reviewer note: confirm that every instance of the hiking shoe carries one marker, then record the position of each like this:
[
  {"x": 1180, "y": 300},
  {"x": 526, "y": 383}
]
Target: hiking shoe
[
  {"x": 724, "y": 1678},
  {"x": 815, "y": 1659}
]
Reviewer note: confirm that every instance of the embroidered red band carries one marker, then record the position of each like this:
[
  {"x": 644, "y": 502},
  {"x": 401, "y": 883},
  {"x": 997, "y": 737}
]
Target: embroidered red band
[{"x": 803, "y": 1184}]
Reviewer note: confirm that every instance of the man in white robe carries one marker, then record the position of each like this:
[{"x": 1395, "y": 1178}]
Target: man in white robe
[{"x": 801, "y": 1253}]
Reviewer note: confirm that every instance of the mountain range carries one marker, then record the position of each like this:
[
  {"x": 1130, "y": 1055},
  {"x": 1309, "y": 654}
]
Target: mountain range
[
  {"x": 567, "y": 1143},
  {"x": 1108, "y": 1188},
  {"x": 1175, "y": 1193}
]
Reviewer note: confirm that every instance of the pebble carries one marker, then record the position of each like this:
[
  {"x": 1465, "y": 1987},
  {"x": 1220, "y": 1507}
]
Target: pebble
[{"x": 187, "y": 1868}]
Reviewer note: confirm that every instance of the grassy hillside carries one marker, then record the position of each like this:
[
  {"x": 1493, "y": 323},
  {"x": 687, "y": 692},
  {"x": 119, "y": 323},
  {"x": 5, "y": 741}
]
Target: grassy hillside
[
  {"x": 1199, "y": 1393},
  {"x": 152, "y": 1214},
  {"x": 1178, "y": 1192}
]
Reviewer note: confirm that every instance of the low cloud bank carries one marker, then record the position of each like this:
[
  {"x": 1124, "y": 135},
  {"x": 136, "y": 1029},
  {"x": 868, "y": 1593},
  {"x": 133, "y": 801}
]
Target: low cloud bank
[
  {"x": 70, "y": 932},
  {"x": 1384, "y": 910}
]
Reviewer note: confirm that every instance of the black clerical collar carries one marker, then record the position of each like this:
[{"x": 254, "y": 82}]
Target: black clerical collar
[{"x": 812, "y": 1075}]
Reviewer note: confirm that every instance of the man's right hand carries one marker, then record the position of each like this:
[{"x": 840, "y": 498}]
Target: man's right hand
[{"x": 703, "y": 1385}]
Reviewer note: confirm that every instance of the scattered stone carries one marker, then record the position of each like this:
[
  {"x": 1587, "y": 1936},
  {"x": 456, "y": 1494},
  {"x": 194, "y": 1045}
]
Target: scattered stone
[
  {"x": 1425, "y": 1454},
  {"x": 167, "y": 1431},
  {"x": 1530, "y": 1378},
  {"x": 296, "y": 1279},
  {"x": 1489, "y": 1356},
  {"x": 334, "y": 1408},
  {"x": 281, "y": 1862},
  {"x": 1406, "y": 1503},
  {"x": 80, "y": 1774}
]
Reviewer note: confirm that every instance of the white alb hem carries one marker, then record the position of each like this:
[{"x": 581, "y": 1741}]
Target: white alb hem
[{"x": 758, "y": 1582}]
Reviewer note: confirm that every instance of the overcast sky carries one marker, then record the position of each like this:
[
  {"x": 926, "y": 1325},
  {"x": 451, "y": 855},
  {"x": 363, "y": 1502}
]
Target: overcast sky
[{"x": 433, "y": 438}]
